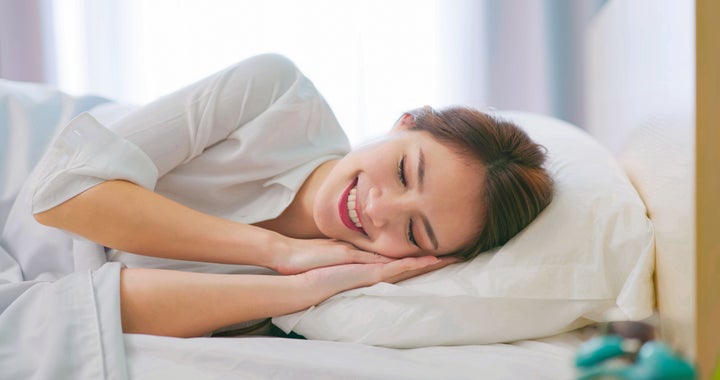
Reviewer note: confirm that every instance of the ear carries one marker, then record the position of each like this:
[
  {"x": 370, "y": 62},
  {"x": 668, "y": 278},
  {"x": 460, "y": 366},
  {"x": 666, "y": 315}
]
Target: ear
[{"x": 404, "y": 123}]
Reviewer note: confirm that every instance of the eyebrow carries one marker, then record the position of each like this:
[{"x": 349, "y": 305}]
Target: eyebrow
[
  {"x": 421, "y": 180},
  {"x": 421, "y": 169}
]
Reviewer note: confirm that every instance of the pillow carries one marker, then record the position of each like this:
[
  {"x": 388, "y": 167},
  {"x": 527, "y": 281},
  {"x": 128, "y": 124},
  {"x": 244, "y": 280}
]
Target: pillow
[{"x": 587, "y": 257}]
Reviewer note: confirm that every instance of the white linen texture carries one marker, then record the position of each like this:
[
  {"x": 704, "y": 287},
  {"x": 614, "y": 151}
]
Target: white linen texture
[{"x": 587, "y": 257}]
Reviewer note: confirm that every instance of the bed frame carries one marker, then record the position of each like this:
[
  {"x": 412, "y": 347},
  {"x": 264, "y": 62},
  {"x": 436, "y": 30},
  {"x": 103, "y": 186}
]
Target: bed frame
[
  {"x": 653, "y": 90},
  {"x": 707, "y": 310}
]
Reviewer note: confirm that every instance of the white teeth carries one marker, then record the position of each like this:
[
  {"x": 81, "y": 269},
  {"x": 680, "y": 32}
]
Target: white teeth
[{"x": 351, "y": 208}]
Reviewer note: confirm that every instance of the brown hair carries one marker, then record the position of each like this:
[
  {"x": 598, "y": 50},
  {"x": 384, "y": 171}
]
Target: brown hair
[{"x": 517, "y": 187}]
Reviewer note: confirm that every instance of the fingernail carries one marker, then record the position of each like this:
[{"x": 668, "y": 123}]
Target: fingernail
[{"x": 434, "y": 261}]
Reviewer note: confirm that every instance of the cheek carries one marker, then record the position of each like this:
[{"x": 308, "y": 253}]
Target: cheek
[{"x": 325, "y": 211}]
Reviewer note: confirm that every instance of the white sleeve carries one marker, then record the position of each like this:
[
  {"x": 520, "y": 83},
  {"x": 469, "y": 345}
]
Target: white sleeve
[
  {"x": 64, "y": 329},
  {"x": 156, "y": 138}
]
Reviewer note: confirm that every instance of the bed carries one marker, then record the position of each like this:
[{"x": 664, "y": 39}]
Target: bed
[{"x": 634, "y": 132}]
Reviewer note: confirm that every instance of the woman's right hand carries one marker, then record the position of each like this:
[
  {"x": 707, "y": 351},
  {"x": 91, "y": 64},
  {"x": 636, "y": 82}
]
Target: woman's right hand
[
  {"x": 328, "y": 281},
  {"x": 301, "y": 255},
  {"x": 165, "y": 302}
]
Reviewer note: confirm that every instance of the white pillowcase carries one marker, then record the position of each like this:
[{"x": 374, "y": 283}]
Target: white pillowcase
[{"x": 587, "y": 257}]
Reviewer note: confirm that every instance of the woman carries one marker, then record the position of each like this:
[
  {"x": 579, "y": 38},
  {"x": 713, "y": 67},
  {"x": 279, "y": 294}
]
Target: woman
[{"x": 249, "y": 166}]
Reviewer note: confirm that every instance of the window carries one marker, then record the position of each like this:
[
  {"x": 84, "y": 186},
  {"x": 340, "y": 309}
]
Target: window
[{"x": 371, "y": 59}]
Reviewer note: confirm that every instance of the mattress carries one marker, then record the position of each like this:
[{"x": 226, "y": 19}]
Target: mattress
[{"x": 152, "y": 357}]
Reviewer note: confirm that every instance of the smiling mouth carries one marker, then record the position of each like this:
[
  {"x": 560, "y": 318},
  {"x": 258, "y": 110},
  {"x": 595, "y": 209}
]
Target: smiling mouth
[{"x": 348, "y": 208}]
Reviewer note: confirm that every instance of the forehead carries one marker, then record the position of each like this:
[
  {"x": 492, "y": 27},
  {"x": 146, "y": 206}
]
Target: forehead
[{"x": 452, "y": 193}]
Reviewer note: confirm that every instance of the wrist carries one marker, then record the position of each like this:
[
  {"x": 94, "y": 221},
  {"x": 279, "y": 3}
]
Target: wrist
[
  {"x": 312, "y": 290},
  {"x": 323, "y": 283},
  {"x": 274, "y": 247}
]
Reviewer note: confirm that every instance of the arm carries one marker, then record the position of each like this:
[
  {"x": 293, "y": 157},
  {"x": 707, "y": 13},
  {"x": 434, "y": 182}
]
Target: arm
[
  {"x": 130, "y": 218},
  {"x": 183, "y": 304},
  {"x": 170, "y": 131},
  {"x": 125, "y": 216}
]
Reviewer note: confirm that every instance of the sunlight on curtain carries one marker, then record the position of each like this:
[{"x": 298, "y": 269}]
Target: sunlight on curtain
[{"x": 371, "y": 59}]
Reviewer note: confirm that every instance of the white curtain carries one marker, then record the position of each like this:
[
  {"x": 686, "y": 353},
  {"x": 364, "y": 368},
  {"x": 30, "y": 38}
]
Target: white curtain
[
  {"x": 25, "y": 41},
  {"x": 372, "y": 59}
]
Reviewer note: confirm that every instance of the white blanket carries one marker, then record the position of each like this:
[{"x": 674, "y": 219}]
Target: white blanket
[{"x": 51, "y": 326}]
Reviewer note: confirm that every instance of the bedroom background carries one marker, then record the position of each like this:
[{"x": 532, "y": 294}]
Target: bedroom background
[
  {"x": 368, "y": 57},
  {"x": 371, "y": 59}
]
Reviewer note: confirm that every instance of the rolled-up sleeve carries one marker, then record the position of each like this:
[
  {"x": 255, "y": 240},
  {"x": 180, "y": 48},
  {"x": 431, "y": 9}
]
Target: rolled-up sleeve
[{"x": 84, "y": 155}]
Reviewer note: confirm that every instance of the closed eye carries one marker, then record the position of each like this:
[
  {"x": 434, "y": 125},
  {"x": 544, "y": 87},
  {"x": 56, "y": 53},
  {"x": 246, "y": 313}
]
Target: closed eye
[
  {"x": 401, "y": 176},
  {"x": 411, "y": 235},
  {"x": 401, "y": 171}
]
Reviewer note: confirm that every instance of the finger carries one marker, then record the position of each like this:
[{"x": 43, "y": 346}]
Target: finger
[
  {"x": 360, "y": 256},
  {"x": 441, "y": 263},
  {"x": 410, "y": 264},
  {"x": 364, "y": 257}
]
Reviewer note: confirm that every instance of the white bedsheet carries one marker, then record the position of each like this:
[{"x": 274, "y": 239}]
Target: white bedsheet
[{"x": 151, "y": 357}]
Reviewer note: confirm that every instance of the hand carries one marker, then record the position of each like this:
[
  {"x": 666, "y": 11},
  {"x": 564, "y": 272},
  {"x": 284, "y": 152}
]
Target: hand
[
  {"x": 441, "y": 263},
  {"x": 301, "y": 255},
  {"x": 329, "y": 281}
]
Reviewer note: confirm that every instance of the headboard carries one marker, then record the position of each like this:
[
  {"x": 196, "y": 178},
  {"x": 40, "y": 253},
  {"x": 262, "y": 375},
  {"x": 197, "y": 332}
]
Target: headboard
[
  {"x": 640, "y": 104},
  {"x": 647, "y": 103}
]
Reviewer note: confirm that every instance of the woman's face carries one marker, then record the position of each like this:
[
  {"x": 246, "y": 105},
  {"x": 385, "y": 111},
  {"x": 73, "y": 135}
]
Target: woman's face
[{"x": 402, "y": 195}]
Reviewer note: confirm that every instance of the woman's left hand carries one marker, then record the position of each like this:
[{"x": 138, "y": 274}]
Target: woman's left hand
[{"x": 302, "y": 255}]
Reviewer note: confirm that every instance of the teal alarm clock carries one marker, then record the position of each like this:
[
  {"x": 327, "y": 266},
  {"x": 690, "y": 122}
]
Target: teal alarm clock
[{"x": 614, "y": 356}]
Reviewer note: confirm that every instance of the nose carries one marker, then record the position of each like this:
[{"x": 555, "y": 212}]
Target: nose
[{"x": 382, "y": 207}]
